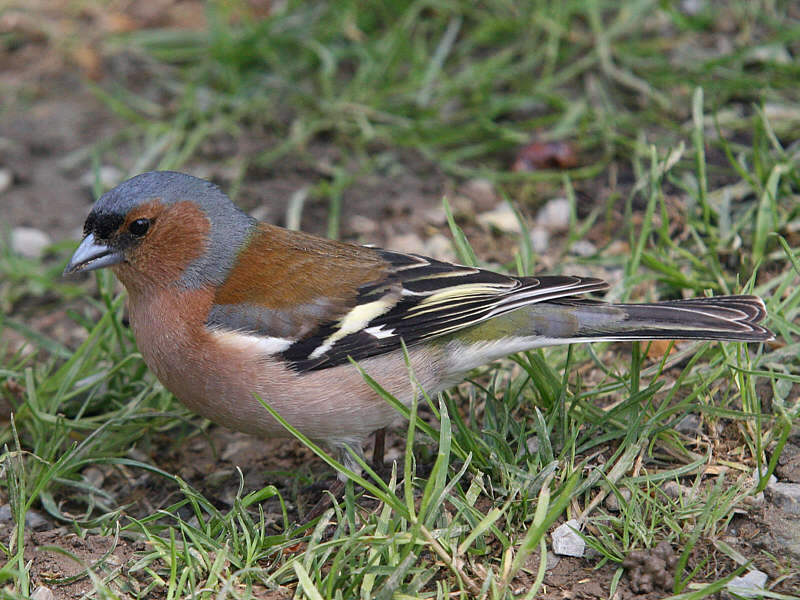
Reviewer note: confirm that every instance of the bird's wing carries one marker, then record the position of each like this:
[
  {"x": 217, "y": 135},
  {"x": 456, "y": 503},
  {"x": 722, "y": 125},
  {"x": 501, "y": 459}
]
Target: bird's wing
[
  {"x": 397, "y": 297},
  {"x": 422, "y": 299},
  {"x": 288, "y": 284}
]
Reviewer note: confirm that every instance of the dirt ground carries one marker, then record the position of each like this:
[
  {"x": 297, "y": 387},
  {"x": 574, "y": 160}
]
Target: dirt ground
[{"x": 50, "y": 118}]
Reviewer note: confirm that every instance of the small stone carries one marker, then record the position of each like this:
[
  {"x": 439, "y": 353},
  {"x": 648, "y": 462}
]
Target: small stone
[
  {"x": 363, "y": 225},
  {"x": 794, "y": 434},
  {"x": 407, "y": 242},
  {"x": 42, "y": 593},
  {"x": 617, "y": 248},
  {"x": 219, "y": 477},
  {"x": 94, "y": 476},
  {"x": 198, "y": 445},
  {"x": 583, "y": 248},
  {"x": 227, "y": 495},
  {"x": 689, "y": 425},
  {"x": 435, "y": 215},
  {"x": 108, "y": 176},
  {"x": 780, "y": 535},
  {"x": 554, "y": 215},
  {"x": 676, "y": 491},
  {"x": 439, "y": 247},
  {"x": 10, "y": 149},
  {"x": 749, "y": 585},
  {"x": 693, "y": 7},
  {"x": 462, "y": 207},
  {"x": 540, "y": 239},
  {"x": 6, "y": 179},
  {"x": 237, "y": 447},
  {"x": 29, "y": 242},
  {"x": 731, "y": 540},
  {"x": 502, "y": 218},
  {"x": 754, "y": 500},
  {"x": 758, "y": 474},
  {"x": 33, "y": 519},
  {"x": 482, "y": 193},
  {"x": 567, "y": 541},
  {"x": 533, "y": 444},
  {"x": 613, "y": 502},
  {"x": 136, "y": 454},
  {"x": 785, "y": 496},
  {"x": 113, "y": 560},
  {"x": 36, "y": 521},
  {"x": 769, "y": 54},
  {"x": 673, "y": 489}
]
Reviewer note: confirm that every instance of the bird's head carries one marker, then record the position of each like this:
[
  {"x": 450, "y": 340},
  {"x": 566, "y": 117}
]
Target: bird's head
[{"x": 161, "y": 228}]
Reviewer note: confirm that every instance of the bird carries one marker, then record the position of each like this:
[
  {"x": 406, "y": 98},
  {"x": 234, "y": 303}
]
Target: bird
[{"x": 228, "y": 312}]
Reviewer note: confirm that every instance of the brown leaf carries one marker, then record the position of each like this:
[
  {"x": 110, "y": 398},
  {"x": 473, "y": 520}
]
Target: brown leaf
[
  {"x": 117, "y": 22},
  {"x": 656, "y": 349},
  {"x": 545, "y": 155},
  {"x": 89, "y": 61}
]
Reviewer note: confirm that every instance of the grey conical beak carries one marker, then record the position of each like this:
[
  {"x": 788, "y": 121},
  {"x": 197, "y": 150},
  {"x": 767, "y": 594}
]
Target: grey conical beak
[{"x": 91, "y": 255}]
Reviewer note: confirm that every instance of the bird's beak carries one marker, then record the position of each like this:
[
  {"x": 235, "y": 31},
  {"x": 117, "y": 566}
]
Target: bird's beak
[{"x": 90, "y": 256}]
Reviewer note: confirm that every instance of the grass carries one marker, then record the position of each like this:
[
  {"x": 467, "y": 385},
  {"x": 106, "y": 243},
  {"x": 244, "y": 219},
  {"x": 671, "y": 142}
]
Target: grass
[{"x": 700, "y": 137}]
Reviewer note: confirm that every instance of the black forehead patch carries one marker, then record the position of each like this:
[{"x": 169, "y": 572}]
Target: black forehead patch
[{"x": 102, "y": 224}]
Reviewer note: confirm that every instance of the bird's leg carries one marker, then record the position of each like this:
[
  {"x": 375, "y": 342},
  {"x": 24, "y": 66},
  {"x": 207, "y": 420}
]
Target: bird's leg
[
  {"x": 379, "y": 449},
  {"x": 337, "y": 488}
]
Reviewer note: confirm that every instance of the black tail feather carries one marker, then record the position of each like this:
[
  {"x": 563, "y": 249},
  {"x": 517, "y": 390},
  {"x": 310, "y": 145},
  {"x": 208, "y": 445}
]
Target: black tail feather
[{"x": 733, "y": 318}]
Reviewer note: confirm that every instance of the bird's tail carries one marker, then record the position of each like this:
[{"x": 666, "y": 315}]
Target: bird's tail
[
  {"x": 567, "y": 321},
  {"x": 729, "y": 318}
]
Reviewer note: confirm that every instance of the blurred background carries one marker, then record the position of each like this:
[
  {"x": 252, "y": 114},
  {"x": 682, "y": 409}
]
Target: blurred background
[{"x": 366, "y": 114}]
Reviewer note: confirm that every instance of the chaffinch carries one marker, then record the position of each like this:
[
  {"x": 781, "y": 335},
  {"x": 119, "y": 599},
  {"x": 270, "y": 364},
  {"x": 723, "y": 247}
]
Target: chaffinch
[{"x": 227, "y": 310}]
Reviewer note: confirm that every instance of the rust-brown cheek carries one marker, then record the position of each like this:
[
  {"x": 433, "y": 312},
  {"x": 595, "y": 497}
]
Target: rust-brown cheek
[{"x": 177, "y": 238}]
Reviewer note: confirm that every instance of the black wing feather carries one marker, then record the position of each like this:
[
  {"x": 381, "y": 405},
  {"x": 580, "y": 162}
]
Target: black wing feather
[{"x": 437, "y": 299}]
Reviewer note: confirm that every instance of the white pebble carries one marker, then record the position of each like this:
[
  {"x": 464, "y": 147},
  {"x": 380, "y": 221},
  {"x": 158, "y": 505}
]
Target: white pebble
[
  {"x": 440, "y": 247},
  {"x": 613, "y": 502},
  {"x": 583, "y": 248},
  {"x": 554, "y": 215},
  {"x": 566, "y": 541},
  {"x": 42, "y": 593},
  {"x": 108, "y": 175},
  {"x": 482, "y": 193},
  {"x": 749, "y": 585},
  {"x": 435, "y": 215},
  {"x": 692, "y": 7},
  {"x": 764, "y": 470},
  {"x": 29, "y": 242},
  {"x": 407, "y": 242},
  {"x": 755, "y": 500},
  {"x": 540, "y": 239},
  {"x": 362, "y": 225},
  {"x": 6, "y": 179},
  {"x": 689, "y": 424},
  {"x": 502, "y": 218},
  {"x": 785, "y": 496}
]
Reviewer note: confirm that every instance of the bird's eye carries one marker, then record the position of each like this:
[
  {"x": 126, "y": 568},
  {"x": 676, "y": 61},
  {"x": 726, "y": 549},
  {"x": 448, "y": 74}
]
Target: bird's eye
[{"x": 139, "y": 227}]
